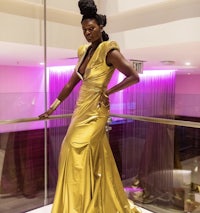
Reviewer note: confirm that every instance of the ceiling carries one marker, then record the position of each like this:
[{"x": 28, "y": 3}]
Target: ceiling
[
  {"x": 14, "y": 54},
  {"x": 174, "y": 55}
]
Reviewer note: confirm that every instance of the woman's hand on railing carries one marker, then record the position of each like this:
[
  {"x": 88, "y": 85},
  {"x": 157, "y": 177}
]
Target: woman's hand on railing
[{"x": 46, "y": 114}]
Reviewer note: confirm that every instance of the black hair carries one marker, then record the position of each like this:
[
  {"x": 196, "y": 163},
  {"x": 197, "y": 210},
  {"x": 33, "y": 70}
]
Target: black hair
[{"x": 89, "y": 11}]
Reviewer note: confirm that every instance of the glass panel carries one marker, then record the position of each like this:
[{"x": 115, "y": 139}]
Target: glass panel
[
  {"x": 56, "y": 132},
  {"x": 21, "y": 75},
  {"x": 21, "y": 168},
  {"x": 64, "y": 37},
  {"x": 22, "y": 104},
  {"x": 22, "y": 145},
  {"x": 153, "y": 96},
  {"x": 187, "y": 98},
  {"x": 158, "y": 163}
]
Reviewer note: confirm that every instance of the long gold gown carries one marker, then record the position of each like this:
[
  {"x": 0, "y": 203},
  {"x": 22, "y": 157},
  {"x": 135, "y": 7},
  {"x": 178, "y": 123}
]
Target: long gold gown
[{"x": 88, "y": 180}]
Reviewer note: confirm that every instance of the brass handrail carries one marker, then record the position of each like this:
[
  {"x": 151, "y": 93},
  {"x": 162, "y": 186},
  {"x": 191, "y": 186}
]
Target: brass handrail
[
  {"x": 133, "y": 117},
  {"x": 23, "y": 120},
  {"x": 160, "y": 120}
]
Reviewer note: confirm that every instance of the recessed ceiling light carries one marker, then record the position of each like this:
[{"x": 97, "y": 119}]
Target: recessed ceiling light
[
  {"x": 187, "y": 63},
  {"x": 41, "y": 63}
]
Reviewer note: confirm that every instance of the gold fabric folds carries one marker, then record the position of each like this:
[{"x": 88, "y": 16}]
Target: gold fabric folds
[{"x": 88, "y": 180}]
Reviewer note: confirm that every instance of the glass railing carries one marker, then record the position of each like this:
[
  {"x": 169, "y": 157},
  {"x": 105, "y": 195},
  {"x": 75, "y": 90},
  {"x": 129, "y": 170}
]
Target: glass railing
[
  {"x": 158, "y": 160},
  {"x": 22, "y": 167},
  {"x": 28, "y": 161}
]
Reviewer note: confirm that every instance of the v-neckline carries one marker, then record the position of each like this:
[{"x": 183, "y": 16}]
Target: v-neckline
[{"x": 83, "y": 58}]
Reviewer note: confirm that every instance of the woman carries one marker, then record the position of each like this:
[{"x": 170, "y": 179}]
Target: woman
[{"x": 88, "y": 180}]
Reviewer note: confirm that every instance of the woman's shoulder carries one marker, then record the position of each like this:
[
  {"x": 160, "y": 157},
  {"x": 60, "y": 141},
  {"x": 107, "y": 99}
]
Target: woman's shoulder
[
  {"x": 82, "y": 49},
  {"x": 110, "y": 45}
]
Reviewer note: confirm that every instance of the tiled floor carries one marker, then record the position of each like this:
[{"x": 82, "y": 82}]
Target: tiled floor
[{"x": 47, "y": 209}]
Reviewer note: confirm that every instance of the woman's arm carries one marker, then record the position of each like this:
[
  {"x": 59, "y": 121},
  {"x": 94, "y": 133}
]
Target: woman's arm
[
  {"x": 116, "y": 59},
  {"x": 67, "y": 89},
  {"x": 65, "y": 92}
]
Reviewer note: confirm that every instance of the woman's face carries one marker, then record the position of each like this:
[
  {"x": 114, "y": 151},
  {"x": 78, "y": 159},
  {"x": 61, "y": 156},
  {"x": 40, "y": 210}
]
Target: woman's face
[{"x": 91, "y": 30}]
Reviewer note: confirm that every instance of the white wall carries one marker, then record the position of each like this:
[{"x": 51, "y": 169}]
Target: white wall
[
  {"x": 132, "y": 26},
  {"x": 162, "y": 34},
  {"x": 22, "y": 22},
  {"x": 112, "y": 7}
]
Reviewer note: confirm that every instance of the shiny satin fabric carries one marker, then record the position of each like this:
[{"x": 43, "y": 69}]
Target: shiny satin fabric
[{"x": 88, "y": 180}]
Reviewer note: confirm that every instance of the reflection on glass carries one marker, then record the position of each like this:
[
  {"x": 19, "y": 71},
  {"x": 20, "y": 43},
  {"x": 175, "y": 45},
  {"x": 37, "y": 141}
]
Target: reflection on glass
[
  {"x": 21, "y": 170},
  {"x": 159, "y": 165}
]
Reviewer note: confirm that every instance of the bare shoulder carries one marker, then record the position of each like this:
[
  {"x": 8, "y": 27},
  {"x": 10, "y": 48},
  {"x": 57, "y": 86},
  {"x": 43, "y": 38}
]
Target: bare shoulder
[{"x": 114, "y": 57}]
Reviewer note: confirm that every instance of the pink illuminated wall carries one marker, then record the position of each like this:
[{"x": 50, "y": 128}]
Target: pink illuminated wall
[
  {"x": 187, "y": 99},
  {"x": 153, "y": 95},
  {"x": 22, "y": 94},
  {"x": 57, "y": 78}
]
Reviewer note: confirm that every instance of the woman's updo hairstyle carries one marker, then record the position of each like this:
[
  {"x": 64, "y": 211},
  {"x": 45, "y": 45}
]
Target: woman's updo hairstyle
[{"x": 89, "y": 11}]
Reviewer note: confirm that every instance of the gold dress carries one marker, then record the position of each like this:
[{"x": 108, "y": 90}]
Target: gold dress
[{"x": 88, "y": 180}]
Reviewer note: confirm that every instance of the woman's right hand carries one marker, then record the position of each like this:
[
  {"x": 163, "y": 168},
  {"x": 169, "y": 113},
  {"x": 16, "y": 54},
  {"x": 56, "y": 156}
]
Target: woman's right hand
[
  {"x": 46, "y": 114},
  {"x": 104, "y": 99}
]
